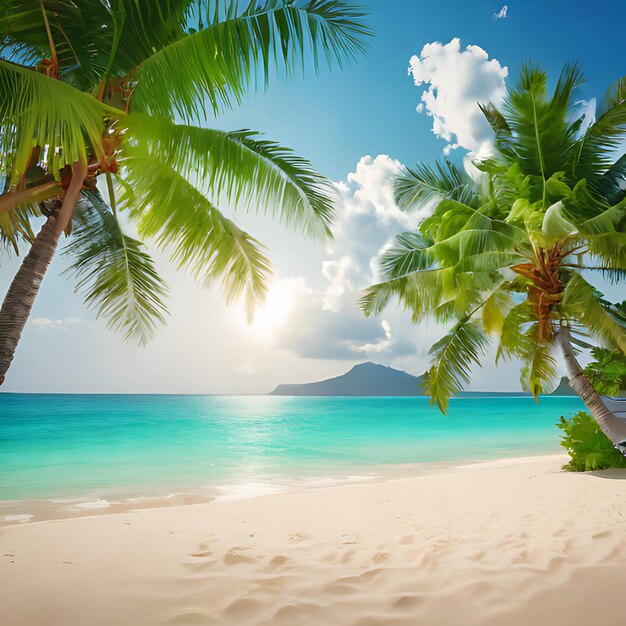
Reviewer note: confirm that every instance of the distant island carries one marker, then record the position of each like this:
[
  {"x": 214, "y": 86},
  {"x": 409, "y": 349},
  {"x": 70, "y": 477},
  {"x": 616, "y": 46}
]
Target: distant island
[{"x": 373, "y": 379}]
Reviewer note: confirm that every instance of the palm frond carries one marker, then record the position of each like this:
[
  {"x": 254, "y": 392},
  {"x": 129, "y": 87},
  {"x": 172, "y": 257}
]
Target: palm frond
[
  {"x": 420, "y": 292},
  {"x": 446, "y": 277},
  {"x": 453, "y": 358},
  {"x": 15, "y": 227},
  {"x": 444, "y": 292},
  {"x": 472, "y": 242},
  {"x": 605, "y": 237},
  {"x": 514, "y": 342},
  {"x": 604, "y": 136},
  {"x": 500, "y": 127},
  {"x": 612, "y": 184},
  {"x": 78, "y": 30},
  {"x": 581, "y": 302},
  {"x": 115, "y": 275},
  {"x": 139, "y": 27},
  {"x": 609, "y": 249},
  {"x": 415, "y": 187},
  {"x": 496, "y": 120},
  {"x": 409, "y": 252},
  {"x": 541, "y": 134},
  {"x": 539, "y": 373},
  {"x": 615, "y": 95},
  {"x": 243, "y": 168},
  {"x": 18, "y": 207},
  {"x": 495, "y": 310},
  {"x": 217, "y": 64},
  {"x": 92, "y": 38},
  {"x": 39, "y": 111},
  {"x": 606, "y": 222},
  {"x": 169, "y": 209}
]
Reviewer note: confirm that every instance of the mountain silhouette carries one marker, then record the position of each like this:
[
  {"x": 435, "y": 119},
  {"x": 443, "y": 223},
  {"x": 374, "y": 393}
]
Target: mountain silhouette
[
  {"x": 365, "y": 379},
  {"x": 373, "y": 379}
]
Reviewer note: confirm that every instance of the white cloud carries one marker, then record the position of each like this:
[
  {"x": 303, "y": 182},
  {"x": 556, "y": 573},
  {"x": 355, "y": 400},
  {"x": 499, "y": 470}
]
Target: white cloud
[
  {"x": 502, "y": 13},
  {"x": 457, "y": 80},
  {"x": 369, "y": 216},
  {"x": 340, "y": 274},
  {"x": 326, "y": 322},
  {"x": 382, "y": 345},
  {"x": 62, "y": 324}
]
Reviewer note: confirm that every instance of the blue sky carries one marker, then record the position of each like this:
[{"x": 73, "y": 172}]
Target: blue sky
[
  {"x": 311, "y": 328},
  {"x": 337, "y": 117}
]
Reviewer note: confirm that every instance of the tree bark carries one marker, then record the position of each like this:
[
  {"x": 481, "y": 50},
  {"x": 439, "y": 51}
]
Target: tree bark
[
  {"x": 611, "y": 425},
  {"x": 79, "y": 173},
  {"x": 23, "y": 290},
  {"x": 21, "y": 295}
]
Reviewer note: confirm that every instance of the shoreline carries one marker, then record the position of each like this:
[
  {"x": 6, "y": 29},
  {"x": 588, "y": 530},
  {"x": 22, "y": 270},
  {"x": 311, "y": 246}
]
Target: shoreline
[
  {"x": 36, "y": 510},
  {"x": 502, "y": 543}
]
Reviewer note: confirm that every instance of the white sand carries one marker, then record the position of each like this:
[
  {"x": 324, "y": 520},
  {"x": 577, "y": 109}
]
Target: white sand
[{"x": 507, "y": 543}]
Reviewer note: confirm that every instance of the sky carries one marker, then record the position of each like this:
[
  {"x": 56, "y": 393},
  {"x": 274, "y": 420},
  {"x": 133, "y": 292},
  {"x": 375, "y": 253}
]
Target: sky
[{"x": 412, "y": 97}]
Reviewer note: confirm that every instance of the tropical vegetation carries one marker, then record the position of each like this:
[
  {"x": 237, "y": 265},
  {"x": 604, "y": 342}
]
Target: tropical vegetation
[
  {"x": 101, "y": 106},
  {"x": 588, "y": 447},
  {"x": 607, "y": 372},
  {"x": 512, "y": 252}
]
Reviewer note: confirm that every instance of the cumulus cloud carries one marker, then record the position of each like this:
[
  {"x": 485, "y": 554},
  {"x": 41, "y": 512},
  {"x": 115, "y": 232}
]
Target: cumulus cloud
[
  {"x": 502, "y": 14},
  {"x": 326, "y": 322},
  {"x": 61, "y": 324},
  {"x": 369, "y": 217},
  {"x": 456, "y": 81}
]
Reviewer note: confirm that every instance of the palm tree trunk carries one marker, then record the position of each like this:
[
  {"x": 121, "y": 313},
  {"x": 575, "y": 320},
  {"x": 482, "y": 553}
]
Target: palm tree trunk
[
  {"x": 20, "y": 298},
  {"x": 23, "y": 290},
  {"x": 612, "y": 426}
]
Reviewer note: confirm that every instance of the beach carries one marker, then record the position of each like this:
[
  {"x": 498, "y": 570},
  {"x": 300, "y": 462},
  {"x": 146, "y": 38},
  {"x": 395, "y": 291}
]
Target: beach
[{"x": 506, "y": 542}]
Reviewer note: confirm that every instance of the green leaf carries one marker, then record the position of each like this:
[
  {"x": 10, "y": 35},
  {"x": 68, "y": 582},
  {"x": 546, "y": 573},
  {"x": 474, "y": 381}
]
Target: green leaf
[
  {"x": 169, "y": 209},
  {"x": 542, "y": 137},
  {"x": 594, "y": 153},
  {"x": 242, "y": 168},
  {"x": 539, "y": 373},
  {"x": 589, "y": 448},
  {"x": 114, "y": 273},
  {"x": 555, "y": 225},
  {"x": 581, "y": 301},
  {"x": 80, "y": 30},
  {"x": 408, "y": 253},
  {"x": 612, "y": 183},
  {"x": 415, "y": 187},
  {"x": 217, "y": 64},
  {"x": 453, "y": 358},
  {"x": 495, "y": 310},
  {"x": 607, "y": 373},
  {"x": 39, "y": 111},
  {"x": 514, "y": 342}
]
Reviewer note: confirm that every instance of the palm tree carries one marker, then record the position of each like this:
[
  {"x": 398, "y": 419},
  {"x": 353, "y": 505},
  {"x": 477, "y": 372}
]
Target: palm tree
[
  {"x": 509, "y": 252},
  {"x": 99, "y": 94}
]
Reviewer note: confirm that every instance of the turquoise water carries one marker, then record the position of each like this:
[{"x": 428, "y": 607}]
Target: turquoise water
[{"x": 74, "y": 445}]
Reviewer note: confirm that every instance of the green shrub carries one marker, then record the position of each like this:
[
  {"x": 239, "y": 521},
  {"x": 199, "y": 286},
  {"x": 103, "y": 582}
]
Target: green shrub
[
  {"x": 607, "y": 374},
  {"x": 589, "y": 448}
]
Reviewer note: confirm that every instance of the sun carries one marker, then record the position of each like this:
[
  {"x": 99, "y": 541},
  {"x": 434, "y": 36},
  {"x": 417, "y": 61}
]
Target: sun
[{"x": 279, "y": 304}]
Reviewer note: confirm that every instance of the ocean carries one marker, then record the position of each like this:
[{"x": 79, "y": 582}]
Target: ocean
[{"x": 96, "y": 449}]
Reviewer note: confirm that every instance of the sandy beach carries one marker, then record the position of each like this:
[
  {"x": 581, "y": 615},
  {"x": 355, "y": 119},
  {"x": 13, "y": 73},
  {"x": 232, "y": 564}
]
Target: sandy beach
[{"x": 511, "y": 542}]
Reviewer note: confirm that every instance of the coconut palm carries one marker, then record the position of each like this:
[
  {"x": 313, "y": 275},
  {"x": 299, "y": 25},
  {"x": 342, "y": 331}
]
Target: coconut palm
[
  {"x": 512, "y": 252},
  {"x": 108, "y": 95}
]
